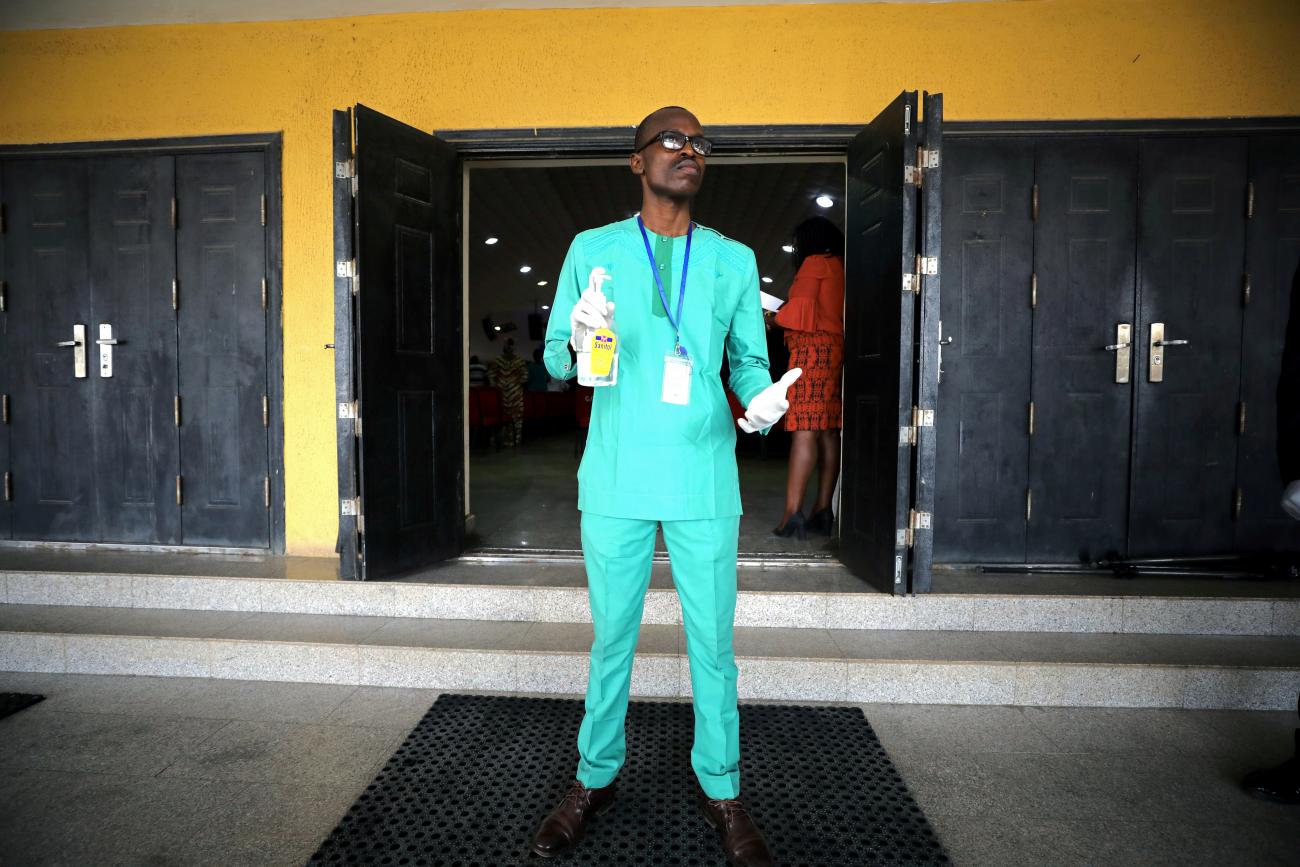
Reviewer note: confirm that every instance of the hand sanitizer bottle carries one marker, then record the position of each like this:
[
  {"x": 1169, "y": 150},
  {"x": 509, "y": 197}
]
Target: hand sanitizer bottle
[{"x": 598, "y": 357}]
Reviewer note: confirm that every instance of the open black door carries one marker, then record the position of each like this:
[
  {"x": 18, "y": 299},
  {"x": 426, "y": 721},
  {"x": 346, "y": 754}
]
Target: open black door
[
  {"x": 882, "y": 275},
  {"x": 403, "y": 296}
]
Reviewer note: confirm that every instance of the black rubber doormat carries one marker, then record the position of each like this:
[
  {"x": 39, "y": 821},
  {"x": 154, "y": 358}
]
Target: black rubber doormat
[
  {"x": 12, "y": 702},
  {"x": 476, "y": 776}
]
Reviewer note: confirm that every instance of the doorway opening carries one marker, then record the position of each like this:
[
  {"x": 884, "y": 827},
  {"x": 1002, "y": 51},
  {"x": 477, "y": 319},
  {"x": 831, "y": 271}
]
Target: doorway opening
[{"x": 521, "y": 486}]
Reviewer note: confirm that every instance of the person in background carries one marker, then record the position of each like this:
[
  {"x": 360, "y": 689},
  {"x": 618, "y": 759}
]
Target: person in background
[
  {"x": 477, "y": 371},
  {"x": 508, "y": 374},
  {"x": 538, "y": 377},
  {"x": 813, "y": 320}
]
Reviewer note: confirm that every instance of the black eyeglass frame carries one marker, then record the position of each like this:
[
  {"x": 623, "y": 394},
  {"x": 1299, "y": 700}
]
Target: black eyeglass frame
[{"x": 693, "y": 140}]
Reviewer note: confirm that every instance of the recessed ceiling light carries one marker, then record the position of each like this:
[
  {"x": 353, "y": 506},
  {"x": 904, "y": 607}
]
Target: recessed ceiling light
[
  {"x": 546, "y": 307},
  {"x": 767, "y": 279},
  {"x": 788, "y": 248},
  {"x": 491, "y": 241},
  {"x": 496, "y": 327},
  {"x": 825, "y": 201},
  {"x": 524, "y": 269},
  {"x": 542, "y": 282}
]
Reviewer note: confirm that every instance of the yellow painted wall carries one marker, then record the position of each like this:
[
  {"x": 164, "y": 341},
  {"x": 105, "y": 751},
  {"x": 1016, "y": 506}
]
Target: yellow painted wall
[{"x": 774, "y": 64}]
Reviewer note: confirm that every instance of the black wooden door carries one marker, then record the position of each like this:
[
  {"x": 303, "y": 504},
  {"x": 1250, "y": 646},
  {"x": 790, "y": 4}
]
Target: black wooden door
[
  {"x": 408, "y": 345},
  {"x": 878, "y": 347},
  {"x": 1190, "y": 272},
  {"x": 1084, "y": 258},
  {"x": 48, "y": 292},
  {"x": 982, "y": 430},
  {"x": 1272, "y": 257},
  {"x": 133, "y": 382},
  {"x": 221, "y": 319},
  {"x": 7, "y": 360}
]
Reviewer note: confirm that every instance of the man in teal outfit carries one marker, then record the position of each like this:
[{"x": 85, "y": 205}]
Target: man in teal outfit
[{"x": 661, "y": 451}]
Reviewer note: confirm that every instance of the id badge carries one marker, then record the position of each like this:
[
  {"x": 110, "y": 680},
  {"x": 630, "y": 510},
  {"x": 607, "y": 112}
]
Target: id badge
[{"x": 677, "y": 380}]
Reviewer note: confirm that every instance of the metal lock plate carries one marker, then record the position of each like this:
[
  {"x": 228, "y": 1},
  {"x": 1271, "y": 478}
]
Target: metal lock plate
[
  {"x": 1123, "y": 351},
  {"x": 1156, "y": 353},
  {"x": 106, "y": 344}
]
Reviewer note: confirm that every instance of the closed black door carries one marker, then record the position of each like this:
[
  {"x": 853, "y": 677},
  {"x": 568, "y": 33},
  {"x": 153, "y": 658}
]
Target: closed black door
[
  {"x": 1272, "y": 256},
  {"x": 52, "y": 446},
  {"x": 982, "y": 427},
  {"x": 224, "y": 485},
  {"x": 1191, "y": 265},
  {"x": 132, "y": 380},
  {"x": 1084, "y": 258},
  {"x": 880, "y": 247},
  {"x": 6, "y": 387},
  {"x": 408, "y": 346}
]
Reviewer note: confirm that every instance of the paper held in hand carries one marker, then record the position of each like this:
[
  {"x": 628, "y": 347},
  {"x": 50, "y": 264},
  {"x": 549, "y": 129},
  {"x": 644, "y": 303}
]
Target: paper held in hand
[{"x": 770, "y": 302}]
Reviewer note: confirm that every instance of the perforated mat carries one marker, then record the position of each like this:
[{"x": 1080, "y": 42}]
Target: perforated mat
[{"x": 476, "y": 776}]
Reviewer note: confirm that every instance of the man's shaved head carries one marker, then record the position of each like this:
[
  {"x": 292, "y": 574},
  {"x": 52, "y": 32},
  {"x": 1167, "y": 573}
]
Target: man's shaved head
[{"x": 653, "y": 123}]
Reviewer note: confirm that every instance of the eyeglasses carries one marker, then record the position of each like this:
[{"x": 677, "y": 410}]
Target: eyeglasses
[{"x": 673, "y": 140}]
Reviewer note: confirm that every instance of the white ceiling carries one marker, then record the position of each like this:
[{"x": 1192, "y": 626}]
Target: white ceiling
[{"x": 57, "y": 14}]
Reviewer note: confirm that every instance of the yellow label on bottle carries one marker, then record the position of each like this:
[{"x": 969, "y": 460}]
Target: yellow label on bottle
[{"x": 603, "y": 343}]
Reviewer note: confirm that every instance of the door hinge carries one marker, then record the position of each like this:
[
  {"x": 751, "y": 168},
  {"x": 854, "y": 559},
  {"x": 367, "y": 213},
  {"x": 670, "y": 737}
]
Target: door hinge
[
  {"x": 1245, "y": 289},
  {"x": 927, "y": 266},
  {"x": 912, "y": 176},
  {"x": 920, "y": 520},
  {"x": 264, "y": 209},
  {"x": 1033, "y": 203},
  {"x": 174, "y": 211},
  {"x": 903, "y": 539},
  {"x": 347, "y": 170},
  {"x": 346, "y": 269},
  {"x": 4, "y": 407},
  {"x": 350, "y": 410},
  {"x": 1236, "y": 505},
  {"x": 911, "y": 283},
  {"x": 351, "y": 508},
  {"x": 1029, "y": 504},
  {"x": 266, "y": 411},
  {"x": 909, "y": 434},
  {"x": 906, "y": 537},
  {"x": 9, "y": 487},
  {"x": 4, "y": 296},
  {"x": 179, "y": 498},
  {"x": 927, "y": 158},
  {"x": 176, "y": 410},
  {"x": 263, "y": 294},
  {"x": 176, "y": 295},
  {"x": 1033, "y": 291},
  {"x": 1250, "y": 199},
  {"x": 1241, "y": 417},
  {"x": 266, "y": 491}
]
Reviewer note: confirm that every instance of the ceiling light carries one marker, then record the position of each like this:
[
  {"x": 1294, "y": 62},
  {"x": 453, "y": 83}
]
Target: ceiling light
[
  {"x": 825, "y": 201},
  {"x": 788, "y": 248},
  {"x": 491, "y": 241},
  {"x": 524, "y": 269},
  {"x": 496, "y": 327},
  {"x": 546, "y": 307},
  {"x": 542, "y": 282},
  {"x": 767, "y": 279}
]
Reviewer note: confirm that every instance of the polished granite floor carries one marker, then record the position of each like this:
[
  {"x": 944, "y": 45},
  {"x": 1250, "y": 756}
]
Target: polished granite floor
[
  {"x": 162, "y": 771},
  {"x": 527, "y": 497}
]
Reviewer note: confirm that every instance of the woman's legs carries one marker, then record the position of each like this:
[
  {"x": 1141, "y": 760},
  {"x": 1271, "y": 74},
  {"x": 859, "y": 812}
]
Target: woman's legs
[
  {"x": 803, "y": 458},
  {"x": 828, "y": 448}
]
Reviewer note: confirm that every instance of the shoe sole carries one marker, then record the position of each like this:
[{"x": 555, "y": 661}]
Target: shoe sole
[{"x": 567, "y": 850}]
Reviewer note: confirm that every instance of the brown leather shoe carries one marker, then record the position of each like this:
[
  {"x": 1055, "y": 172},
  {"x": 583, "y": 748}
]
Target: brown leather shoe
[
  {"x": 742, "y": 842},
  {"x": 564, "y": 826}
]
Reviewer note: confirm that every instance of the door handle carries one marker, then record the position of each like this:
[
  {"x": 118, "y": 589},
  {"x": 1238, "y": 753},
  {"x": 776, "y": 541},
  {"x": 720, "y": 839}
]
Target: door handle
[
  {"x": 78, "y": 344},
  {"x": 106, "y": 343},
  {"x": 1123, "y": 349},
  {"x": 1156, "y": 352}
]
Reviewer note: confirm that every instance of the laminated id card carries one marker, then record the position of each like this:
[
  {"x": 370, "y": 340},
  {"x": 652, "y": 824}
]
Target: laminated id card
[{"x": 677, "y": 380}]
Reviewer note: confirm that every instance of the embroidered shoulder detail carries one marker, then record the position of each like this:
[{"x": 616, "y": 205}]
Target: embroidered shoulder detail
[
  {"x": 729, "y": 252},
  {"x": 593, "y": 241}
]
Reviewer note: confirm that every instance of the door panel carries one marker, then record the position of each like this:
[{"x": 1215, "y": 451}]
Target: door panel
[
  {"x": 49, "y": 292},
  {"x": 984, "y": 390},
  {"x": 409, "y": 346},
  {"x": 132, "y": 264},
  {"x": 1272, "y": 256},
  {"x": 1191, "y": 259},
  {"x": 1084, "y": 248},
  {"x": 7, "y": 361},
  {"x": 221, "y": 263},
  {"x": 878, "y": 347}
]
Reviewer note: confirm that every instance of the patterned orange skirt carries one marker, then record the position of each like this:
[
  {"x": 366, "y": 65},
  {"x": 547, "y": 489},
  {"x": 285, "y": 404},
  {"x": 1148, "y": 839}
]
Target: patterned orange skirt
[{"x": 815, "y": 398}]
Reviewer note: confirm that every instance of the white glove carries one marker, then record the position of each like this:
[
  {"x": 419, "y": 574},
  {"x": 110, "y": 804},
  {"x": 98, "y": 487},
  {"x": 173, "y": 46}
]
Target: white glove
[
  {"x": 768, "y": 405},
  {"x": 592, "y": 311}
]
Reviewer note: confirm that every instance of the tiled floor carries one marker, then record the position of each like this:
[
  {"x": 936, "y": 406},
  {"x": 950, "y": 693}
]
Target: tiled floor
[{"x": 130, "y": 770}]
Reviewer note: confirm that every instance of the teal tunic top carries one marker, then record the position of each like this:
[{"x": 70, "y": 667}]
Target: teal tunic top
[{"x": 645, "y": 458}]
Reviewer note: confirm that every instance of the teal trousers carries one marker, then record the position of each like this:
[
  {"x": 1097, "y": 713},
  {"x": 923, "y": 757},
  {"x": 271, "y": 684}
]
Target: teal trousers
[{"x": 619, "y": 553}]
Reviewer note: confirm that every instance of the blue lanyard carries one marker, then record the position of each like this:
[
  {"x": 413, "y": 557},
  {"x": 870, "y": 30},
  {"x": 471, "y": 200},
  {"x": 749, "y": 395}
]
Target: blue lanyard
[{"x": 676, "y": 321}]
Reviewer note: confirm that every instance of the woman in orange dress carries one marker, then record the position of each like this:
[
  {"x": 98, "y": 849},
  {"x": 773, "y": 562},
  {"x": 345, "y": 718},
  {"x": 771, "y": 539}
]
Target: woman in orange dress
[{"x": 813, "y": 320}]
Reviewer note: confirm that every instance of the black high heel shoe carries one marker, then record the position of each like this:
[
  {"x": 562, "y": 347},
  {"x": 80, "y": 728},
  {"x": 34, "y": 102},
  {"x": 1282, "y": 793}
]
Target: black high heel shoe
[
  {"x": 795, "y": 526},
  {"x": 822, "y": 522}
]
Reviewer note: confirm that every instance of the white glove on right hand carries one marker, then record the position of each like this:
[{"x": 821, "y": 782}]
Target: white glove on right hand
[
  {"x": 592, "y": 311},
  {"x": 767, "y": 407}
]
